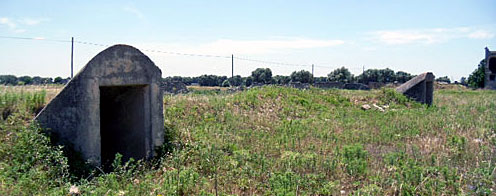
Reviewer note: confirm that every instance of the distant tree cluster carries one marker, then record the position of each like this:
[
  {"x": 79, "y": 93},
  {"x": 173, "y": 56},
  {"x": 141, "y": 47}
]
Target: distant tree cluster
[
  {"x": 341, "y": 75},
  {"x": 302, "y": 77},
  {"x": 443, "y": 79},
  {"x": 27, "y": 80},
  {"x": 208, "y": 80},
  {"x": 264, "y": 76},
  {"x": 476, "y": 79},
  {"x": 383, "y": 76},
  {"x": 260, "y": 76},
  {"x": 370, "y": 75}
]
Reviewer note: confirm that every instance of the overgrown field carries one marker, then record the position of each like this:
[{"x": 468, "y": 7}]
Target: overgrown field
[{"x": 276, "y": 141}]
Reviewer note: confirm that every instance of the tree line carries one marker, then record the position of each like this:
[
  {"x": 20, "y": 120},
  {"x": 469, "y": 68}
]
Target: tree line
[
  {"x": 27, "y": 80},
  {"x": 264, "y": 76}
]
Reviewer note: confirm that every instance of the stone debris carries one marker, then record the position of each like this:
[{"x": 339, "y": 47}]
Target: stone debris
[
  {"x": 366, "y": 107},
  {"x": 375, "y": 107},
  {"x": 74, "y": 190},
  {"x": 378, "y": 107}
]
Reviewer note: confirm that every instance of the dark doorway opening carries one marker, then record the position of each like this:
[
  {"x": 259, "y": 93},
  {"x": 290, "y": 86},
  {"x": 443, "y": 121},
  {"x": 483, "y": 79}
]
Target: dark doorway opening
[
  {"x": 429, "y": 90},
  {"x": 122, "y": 126},
  {"x": 492, "y": 64}
]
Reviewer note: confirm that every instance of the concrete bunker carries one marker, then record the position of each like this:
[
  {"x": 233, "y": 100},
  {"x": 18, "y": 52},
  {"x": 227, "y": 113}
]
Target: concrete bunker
[
  {"x": 419, "y": 88},
  {"x": 492, "y": 65},
  {"x": 113, "y": 105},
  {"x": 490, "y": 70}
]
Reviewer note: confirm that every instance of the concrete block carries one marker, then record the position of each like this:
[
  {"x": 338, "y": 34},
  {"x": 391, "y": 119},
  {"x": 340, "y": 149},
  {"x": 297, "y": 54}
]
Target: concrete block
[
  {"x": 420, "y": 88},
  {"x": 490, "y": 70},
  {"x": 113, "y": 105}
]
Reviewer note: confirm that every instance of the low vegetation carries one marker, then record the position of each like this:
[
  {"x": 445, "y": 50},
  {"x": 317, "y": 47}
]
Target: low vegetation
[{"x": 276, "y": 141}]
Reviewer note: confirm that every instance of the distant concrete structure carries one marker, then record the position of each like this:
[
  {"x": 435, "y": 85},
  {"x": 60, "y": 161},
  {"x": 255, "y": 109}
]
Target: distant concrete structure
[
  {"x": 376, "y": 85},
  {"x": 173, "y": 87},
  {"x": 113, "y": 105},
  {"x": 355, "y": 86},
  {"x": 299, "y": 85},
  {"x": 490, "y": 70},
  {"x": 328, "y": 85},
  {"x": 420, "y": 88}
]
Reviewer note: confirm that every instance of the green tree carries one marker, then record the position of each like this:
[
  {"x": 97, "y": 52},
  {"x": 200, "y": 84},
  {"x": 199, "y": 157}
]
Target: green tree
[
  {"x": 8, "y": 80},
  {"x": 57, "y": 80},
  {"x": 320, "y": 79},
  {"x": 25, "y": 80},
  {"x": 403, "y": 77},
  {"x": 377, "y": 75},
  {"x": 262, "y": 75},
  {"x": 282, "y": 79},
  {"x": 248, "y": 81},
  {"x": 476, "y": 79},
  {"x": 301, "y": 76},
  {"x": 443, "y": 79},
  {"x": 237, "y": 80},
  {"x": 36, "y": 80},
  {"x": 340, "y": 75}
]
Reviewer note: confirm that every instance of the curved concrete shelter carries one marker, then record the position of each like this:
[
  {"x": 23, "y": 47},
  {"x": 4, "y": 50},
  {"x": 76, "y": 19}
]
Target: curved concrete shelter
[
  {"x": 490, "y": 70},
  {"x": 419, "y": 88},
  {"x": 113, "y": 105}
]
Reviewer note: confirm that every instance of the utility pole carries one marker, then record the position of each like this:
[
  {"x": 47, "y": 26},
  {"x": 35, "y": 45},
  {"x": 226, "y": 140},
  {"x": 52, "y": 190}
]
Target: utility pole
[
  {"x": 313, "y": 76},
  {"x": 312, "y": 71},
  {"x": 232, "y": 65},
  {"x": 72, "y": 57}
]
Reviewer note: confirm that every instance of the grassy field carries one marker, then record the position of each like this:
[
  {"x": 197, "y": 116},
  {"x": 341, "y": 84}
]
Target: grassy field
[{"x": 276, "y": 141}]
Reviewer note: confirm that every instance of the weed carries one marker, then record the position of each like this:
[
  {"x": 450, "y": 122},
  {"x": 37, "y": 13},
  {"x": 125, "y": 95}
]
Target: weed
[
  {"x": 355, "y": 159},
  {"x": 275, "y": 141}
]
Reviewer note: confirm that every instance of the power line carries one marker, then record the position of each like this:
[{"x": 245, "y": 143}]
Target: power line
[
  {"x": 184, "y": 54},
  {"x": 159, "y": 51},
  {"x": 166, "y": 52},
  {"x": 270, "y": 62},
  {"x": 34, "y": 38}
]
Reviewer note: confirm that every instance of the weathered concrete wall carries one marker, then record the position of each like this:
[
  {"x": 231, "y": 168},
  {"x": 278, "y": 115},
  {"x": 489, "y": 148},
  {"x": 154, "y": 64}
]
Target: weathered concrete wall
[
  {"x": 420, "y": 88},
  {"x": 328, "y": 85},
  {"x": 490, "y": 70},
  {"x": 173, "y": 87},
  {"x": 73, "y": 116},
  {"x": 299, "y": 85},
  {"x": 376, "y": 85},
  {"x": 355, "y": 86}
]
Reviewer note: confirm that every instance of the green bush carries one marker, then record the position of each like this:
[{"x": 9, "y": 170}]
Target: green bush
[
  {"x": 29, "y": 165},
  {"x": 355, "y": 159},
  {"x": 391, "y": 96},
  {"x": 283, "y": 183}
]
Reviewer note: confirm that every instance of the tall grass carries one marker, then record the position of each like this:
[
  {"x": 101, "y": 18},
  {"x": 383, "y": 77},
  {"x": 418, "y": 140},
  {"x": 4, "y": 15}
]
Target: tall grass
[
  {"x": 283, "y": 141},
  {"x": 11, "y": 102}
]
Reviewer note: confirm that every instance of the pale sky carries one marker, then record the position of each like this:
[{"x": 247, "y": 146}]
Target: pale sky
[{"x": 445, "y": 37}]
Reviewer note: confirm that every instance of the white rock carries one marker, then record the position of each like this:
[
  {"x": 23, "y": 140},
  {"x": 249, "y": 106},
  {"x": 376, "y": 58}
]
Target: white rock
[
  {"x": 378, "y": 107},
  {"x": 74, "y": 190}
]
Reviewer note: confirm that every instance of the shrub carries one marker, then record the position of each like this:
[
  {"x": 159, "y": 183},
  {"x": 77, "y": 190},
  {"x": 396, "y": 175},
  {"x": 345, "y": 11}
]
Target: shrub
[{"x": 355, "y": 159}]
